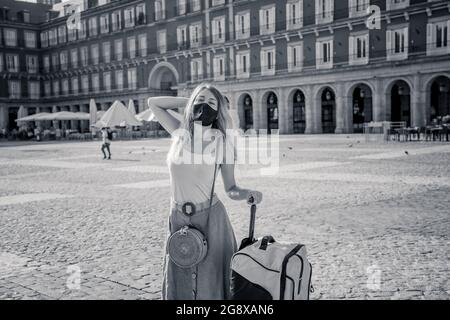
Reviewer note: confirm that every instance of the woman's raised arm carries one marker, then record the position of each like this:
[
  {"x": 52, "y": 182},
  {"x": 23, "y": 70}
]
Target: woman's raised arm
[{"x": 159, "y": 107}]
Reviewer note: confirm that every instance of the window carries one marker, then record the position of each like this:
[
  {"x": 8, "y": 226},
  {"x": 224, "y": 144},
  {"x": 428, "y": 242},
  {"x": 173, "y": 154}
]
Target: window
[
  {"x": 132, "y": 79},
  {"x": 196, "y": 5},
  {"x": 268, "y": 61},
  {"x": 118, "y": 49},
  {"x": 26, "y": 16},
  {"x": 196, "y": 69},
  {"x": 219, "y": 68},
  {"x": 55, "y": 61},
  {"x": 33, "y": 89},
  {"x": 74, "y": 58},
  {"x": 324, "y": 11},
  {"x": 294, "y": 14},
  {"x": 267, "y": 20},
  {"x": 72, "y": 34},
  {"x": 358, "y": 8},
  {"x": 107, "y": 81},
  {"x": 116, "y": 21},
  {"x": 295, "y": 57},
  {"x": 397, "y": 43},
  {"x": 131, "y": 47},
  {"x": 359, "y": 49},
  {"x": 64, "y": 87},
  {"x": 160, "y": 7},
  {"x": 62, "y": 34},
  {"x": 243, "y": 64},
  {"x": 64, "y": 60},
  {"x": 93, "y": 31},
  {"x": 85, "y": 83},
  {"x": 12, "y": 63},
  {"x": 82, "y": 30},
  {"x": 1, "y": 62},
  {"x": 218, "y": 2},
  {"x": 129, "y": 17},
  {"x": 10, "y": 37},
  {"x": 181, "y": 7},
  {"x": 46, "y": 61},
  {"x": 84, "y": 56},
  {"x": 104, "y": 23},
  {"x": 47, "y": 89},
  {"x": 396, "y": 4},
  {"x": 95, "y": 82},
  {"x": 119, "y": 80},
  {"x": 195, "y": 31},
  {"x": 140, "y": 14},
  {"x": 14, "y": 89},
  {"x": 142, "y": 42},
  {"x": 52, "y": 37},
  {"x": 75, "y": 87},
  {"x": 218, "y": 30},
  {"x": 44, "y": 39},
  {"x": 182, "y": 37},
  {"x": 56, "y": 87},
  {"x": 95, "y": 54},
  {"x": 242, "y": 25},
  {"x": 438, "y": 37},
  {"x": 324, "y": 53},
  {"x": 106, "y": 52},
  {"x": 161, "y": 41},
  {"x": 30, "y": 39}
]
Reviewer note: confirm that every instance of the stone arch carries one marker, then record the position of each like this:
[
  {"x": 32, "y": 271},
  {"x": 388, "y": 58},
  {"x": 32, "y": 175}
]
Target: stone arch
[
  {"x": 398, "y": 101},
  {"x": 326, "y": 109},
  {"x": 359, "y": 99},
  {"x": 437, "y": 97},
  {"x": 246, "y": 110},
  {"x": 163, "y": 76},
  {"x": 297, "y": 110},
  {"x": 270, "y": 109}
]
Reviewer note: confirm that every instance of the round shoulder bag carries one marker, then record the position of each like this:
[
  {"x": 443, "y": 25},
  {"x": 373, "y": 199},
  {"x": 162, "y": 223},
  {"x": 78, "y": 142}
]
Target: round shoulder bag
[{"x": 187, "y": 247}]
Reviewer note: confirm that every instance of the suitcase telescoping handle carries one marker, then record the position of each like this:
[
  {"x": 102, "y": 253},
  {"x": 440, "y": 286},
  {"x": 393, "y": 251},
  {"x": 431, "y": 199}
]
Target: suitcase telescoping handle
[{"x": 251, "y": 231}]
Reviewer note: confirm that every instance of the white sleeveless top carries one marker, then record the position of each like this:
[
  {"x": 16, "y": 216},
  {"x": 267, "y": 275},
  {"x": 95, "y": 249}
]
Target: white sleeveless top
[{"x": 192, "y": 182}]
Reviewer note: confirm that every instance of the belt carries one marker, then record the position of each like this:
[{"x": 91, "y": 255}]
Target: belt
[{"x": 190, "y": 208}]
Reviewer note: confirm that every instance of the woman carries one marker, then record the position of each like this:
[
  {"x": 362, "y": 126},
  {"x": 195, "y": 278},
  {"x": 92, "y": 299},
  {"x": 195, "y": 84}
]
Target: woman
[{"x": 192, "y": 184}]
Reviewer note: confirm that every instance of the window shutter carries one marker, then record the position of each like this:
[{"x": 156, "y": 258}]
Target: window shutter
[
  {"x": 288, "y": 14},
  {"x": 272, "y": 19},
  {"x": 237, "y": 25},
  {"x": 263, "y": 60},
  {"x": 330, "y": 8},
  {"x": 291, "y": 61},
  {"x": 261, "y": 20},
  {"x": 430, "y": 37},
  {"x": 318, "y": 53},
  {"x": 367, "y": 47},
  {"x": 448, "y": 36},
  {"x": 351, "y": 48},
  {"x": 238, "y": 64},
  {"x": 389, "y": 45},
  {"x": 406, "y": 33}
]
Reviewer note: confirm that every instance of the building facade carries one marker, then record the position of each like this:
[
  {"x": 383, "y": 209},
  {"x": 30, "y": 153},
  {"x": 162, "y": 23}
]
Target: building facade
[{"x": 300, "y": 66}]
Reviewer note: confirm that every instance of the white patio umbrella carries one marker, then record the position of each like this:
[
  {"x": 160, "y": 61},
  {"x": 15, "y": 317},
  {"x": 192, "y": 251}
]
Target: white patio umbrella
[
  {"x": 21, "y": 114},
  {"x": 131, "y": 107},
  {"x": 92, "y": 112},
  {"x": 33, "y": 117},
  {"x": 117, "y": 116}
]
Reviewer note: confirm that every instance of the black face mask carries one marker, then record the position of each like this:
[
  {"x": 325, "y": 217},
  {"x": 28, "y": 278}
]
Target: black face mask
[{"x": 205, "y": 114}]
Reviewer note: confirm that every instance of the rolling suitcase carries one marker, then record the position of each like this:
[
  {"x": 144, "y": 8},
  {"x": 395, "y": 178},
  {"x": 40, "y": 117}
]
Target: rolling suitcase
[{"x": 268, "y": 270}]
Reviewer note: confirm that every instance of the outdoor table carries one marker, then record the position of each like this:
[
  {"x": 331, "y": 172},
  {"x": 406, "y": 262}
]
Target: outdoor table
[
  {"x": 433, "y": 133},
  {"x": 409, "y": 132}
]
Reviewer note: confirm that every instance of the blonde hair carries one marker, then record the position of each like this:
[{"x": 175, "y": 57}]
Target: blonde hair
[{"x": 222, "y": 123}]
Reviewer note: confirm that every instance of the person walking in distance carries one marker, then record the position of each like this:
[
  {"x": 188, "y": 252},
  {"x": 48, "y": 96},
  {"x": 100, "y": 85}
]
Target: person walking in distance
[{"x": 106, "y": 138}]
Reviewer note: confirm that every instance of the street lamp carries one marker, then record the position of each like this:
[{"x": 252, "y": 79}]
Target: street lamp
[{"x": 328, "y": 95}]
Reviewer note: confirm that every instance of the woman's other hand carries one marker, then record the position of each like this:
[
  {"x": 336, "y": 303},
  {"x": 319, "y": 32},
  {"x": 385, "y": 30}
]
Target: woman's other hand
[{"x": 254, "y": 197}]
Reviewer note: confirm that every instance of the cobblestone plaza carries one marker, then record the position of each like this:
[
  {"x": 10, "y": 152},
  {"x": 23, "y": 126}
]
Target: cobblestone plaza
[{"x": 374, "y": 217}]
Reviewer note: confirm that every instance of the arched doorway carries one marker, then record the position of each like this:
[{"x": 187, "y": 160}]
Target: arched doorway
[
  {"x": 163, "y": 77},
  {"x": 246, "y": 114},
  {"x": 12, "y": 117},
  {"x": 328, "y": 100},
  {"x": 272, "y": 112},
  {"x": 298, "y": 105},
  {"x": 440, "y": 98},
  {"x": 401, "y": 102},
  {"x": 362, "y": 107}
]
